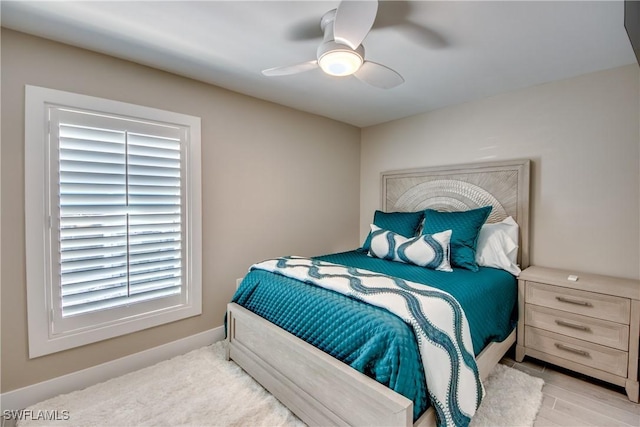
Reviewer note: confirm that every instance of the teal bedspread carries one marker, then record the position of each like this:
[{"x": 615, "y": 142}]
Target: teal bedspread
[{"x": 370, "y": 339}]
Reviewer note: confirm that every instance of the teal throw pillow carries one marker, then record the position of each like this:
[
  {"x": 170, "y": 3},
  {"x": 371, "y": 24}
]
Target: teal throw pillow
[
  {"x": 465, "y": 226},
  {"x": 403, "y": 223}
]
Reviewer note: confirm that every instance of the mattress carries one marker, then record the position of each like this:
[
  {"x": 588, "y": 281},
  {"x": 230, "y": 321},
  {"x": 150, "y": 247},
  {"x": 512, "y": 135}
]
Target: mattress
[{"x": 370, "y": 339}]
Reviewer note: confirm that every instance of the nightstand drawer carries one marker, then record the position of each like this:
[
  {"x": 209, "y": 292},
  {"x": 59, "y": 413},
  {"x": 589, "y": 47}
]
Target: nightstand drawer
[
  {"x": 615, "y": 309},
  {"x": 585, "y": 328},
  {"x": 578, "y": 351}
]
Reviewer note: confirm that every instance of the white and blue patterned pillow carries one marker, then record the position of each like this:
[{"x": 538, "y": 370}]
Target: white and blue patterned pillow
[{"x": 427, "y": 250}]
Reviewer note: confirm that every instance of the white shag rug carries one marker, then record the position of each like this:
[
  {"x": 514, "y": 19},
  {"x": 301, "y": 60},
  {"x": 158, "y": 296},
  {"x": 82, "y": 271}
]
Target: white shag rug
[
  {"x": 512, "y": 398},
  {"x": 201, "y": 388}
]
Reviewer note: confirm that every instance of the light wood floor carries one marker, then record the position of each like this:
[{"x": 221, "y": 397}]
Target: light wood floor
[{"x": 571, "y": 400}]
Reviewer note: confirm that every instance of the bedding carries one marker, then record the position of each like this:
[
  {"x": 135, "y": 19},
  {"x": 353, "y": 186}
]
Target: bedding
[
  {"x": 370, "y": 339},
  {"x": 498, "y": 246},
  {"x": 438, "y": 322},
  {"x": 405, "y": 224},
  {"x": 427, "y": 250},
  {"x": 464, "y": 239}
]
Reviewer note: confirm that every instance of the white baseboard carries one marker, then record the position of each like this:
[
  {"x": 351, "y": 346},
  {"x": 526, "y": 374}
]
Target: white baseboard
[{"x": 26, "y": 396}]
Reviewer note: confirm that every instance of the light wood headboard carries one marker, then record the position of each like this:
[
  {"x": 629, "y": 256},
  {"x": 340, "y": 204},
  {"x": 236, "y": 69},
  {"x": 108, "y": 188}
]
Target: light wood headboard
[{"x": 503, "y": 185}]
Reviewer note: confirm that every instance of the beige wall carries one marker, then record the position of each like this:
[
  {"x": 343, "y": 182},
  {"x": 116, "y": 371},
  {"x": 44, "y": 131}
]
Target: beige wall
[
  {"x": 275, "y": 181},
  {"x": 583, "y": 137}
]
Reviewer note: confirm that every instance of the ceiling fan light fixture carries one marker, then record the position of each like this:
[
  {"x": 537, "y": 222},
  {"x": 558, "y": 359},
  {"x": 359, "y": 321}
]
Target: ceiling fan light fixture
[{"x": 340, "y": 62}]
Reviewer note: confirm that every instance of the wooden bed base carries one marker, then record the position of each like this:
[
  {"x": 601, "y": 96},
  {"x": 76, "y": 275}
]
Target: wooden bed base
[{"x": 315, "y": 386}]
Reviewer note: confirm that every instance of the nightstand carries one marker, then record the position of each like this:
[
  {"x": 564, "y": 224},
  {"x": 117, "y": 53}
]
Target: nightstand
[{"x": 583, "y": 322}]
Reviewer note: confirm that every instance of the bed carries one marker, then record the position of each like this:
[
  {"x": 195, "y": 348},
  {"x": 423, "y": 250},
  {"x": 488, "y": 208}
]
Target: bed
[{"x": 311, "y": 380}]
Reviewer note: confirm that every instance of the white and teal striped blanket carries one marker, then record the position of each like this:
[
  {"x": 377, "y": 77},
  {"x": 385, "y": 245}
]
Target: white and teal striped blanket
[{"x": 440, "y": 326}]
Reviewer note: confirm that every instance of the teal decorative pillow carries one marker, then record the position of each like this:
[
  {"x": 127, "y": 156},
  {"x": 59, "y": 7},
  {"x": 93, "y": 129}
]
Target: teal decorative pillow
[
  {"x": 403, "y": 223},
  {"x": 465, "y": 226},
  {"x": 427, "y": 250}
]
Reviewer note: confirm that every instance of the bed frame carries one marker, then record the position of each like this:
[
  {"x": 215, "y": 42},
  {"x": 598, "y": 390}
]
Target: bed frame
[{"x": 320, "y": 389}]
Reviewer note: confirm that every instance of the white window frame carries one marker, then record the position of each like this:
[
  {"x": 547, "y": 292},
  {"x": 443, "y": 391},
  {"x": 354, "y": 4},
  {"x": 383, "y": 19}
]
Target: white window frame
[{"x": 44, "y": 338}]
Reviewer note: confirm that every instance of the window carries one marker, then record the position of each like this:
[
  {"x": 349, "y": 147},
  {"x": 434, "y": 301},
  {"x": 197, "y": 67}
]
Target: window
[{"x": 113, "y": 219}]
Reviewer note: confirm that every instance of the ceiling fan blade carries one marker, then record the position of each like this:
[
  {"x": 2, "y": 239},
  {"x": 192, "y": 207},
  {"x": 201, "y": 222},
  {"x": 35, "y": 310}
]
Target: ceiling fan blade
[
  {"x": 291, "y": 69},
  {"x": 353, "y": 21},
  {"x": 378, "y": 75}
]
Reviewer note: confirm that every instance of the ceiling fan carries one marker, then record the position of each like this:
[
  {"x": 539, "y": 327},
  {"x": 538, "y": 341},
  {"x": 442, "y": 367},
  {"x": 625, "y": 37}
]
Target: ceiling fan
[{"x": 341, "y": 52}]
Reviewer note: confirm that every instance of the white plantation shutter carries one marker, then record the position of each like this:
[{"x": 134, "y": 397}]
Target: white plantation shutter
[
  {"x": 118, "y": 224},
  {"x": 122, "y": 203},
  {"x": 119, "y": 213}
]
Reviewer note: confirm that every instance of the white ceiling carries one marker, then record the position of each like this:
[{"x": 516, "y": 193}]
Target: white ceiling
[{"x": 448, "y": 52}]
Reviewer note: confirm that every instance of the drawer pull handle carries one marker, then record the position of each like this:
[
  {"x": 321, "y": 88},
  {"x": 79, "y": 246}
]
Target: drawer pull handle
[
  {"x": 573, "y": 301},
  {"x": 572, "y": 350},
  {"x": 573, "y": 326}
]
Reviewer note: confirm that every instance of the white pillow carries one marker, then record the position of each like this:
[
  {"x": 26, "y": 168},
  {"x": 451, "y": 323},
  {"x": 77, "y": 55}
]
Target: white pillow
[
  {"x": 427, "y": 250},
  {"x": 498, "y": 246}
]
